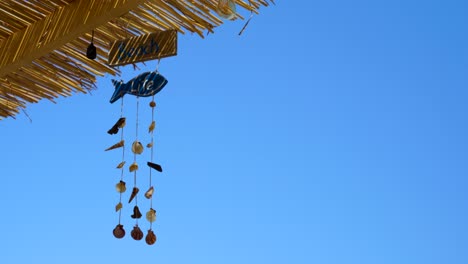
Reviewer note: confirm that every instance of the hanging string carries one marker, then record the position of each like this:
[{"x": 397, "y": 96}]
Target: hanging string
[
  {"x": 152, "y": 155},
  {"x": 152, "y": 148},
  {"x": 157, "y": 69},
  {"x": 123, "y": 155},
  {"x": 251, "y": 15},
  {"x": 134, "y": 155}
]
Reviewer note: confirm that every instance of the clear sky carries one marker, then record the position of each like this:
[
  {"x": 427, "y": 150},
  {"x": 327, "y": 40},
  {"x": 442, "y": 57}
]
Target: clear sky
[{"x": 329, "y": 132}]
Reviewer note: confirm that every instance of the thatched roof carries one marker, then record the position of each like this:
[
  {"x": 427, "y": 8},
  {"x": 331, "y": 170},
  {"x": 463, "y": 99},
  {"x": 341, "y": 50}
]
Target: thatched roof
[{"x": 43, "y": 43}]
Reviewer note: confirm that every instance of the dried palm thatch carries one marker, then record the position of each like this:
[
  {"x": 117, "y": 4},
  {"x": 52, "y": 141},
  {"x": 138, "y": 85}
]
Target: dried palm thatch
[{"x": 43, "y": 43}]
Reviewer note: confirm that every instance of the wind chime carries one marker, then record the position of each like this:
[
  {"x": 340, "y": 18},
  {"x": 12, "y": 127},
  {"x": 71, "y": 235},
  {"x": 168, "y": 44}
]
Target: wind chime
[{"x": 144, "y": 85}]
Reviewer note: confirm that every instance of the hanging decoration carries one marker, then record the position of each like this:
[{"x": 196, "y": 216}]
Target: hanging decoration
[
  {"x": 226, "y": 9},
  {"x": 91, "y": 52},
  {"x": 144, "y": 85},
  {"x": 147, "y": 84}
]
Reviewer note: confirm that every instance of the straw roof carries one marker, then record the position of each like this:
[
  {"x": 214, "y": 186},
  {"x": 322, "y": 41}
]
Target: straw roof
[{"x": 43, "y": 43}]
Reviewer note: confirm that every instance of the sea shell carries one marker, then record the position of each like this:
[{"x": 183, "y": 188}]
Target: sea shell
[
  {"x": 136, "y": 213},
  {"x": 116, "y": 145},
  {"x": 115, "y": 128},
  {"x": 149, "y": 193},
  {"x": 133, "y": 167},
  {"x": 152, "y": 126},
  {"x": 121, "y": 164},
  {"x": 226, "y": 9},
  {"x": 152, "y": 104},
  {"x": 136, "y": 233},
  {"x": 123, "y": 123},
  {"x": 120, "y": 187},
  {"x": 149, "y": 145},
  {"x": 150, "y": 237},
  {"x": 151, "y": 215},
  {"x": 118, "y": 207},
  {"x": 134, "y": 193},
  {"x": 137, "y": 147},
  {"x": 119, "y": 231}
]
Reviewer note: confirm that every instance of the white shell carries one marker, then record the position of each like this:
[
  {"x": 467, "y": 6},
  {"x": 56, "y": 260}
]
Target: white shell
[
  {"x": 151, "y": 215},
  {"x": 137, "y": 147}
]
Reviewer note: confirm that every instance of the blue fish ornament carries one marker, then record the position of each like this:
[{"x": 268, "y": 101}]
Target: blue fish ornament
[{"x": 145, "y": 84}]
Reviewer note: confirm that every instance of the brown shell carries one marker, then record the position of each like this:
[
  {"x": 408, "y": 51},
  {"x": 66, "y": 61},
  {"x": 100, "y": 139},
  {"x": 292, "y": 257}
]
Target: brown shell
[
  {"x": 135, "y": 191},
  {"x": 133, "y": 167},
  {"x": 150, "y": 237},
  {"x": 119, "y": 231},
  {"x": 152, "y": 104},
  {"x": 136, "y": 233},
  {"x": 152, "y": 126},
  {"x": 118, "y": 207},
  {"x": 136, "y": 213},
  {"x": 121, "y": 164}
]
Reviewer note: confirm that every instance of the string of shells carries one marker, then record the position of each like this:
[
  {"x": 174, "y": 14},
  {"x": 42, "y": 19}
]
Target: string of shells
[{"x": 138, "y": 149}]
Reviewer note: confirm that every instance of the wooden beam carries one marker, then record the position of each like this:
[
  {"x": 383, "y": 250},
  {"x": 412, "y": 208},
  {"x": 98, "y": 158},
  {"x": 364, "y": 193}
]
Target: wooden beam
[{"x": 58, "y": 28}]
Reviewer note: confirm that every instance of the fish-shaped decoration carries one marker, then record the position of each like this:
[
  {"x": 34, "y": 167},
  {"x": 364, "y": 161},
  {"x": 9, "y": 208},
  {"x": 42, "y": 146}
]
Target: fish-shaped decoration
[{"x": 145, "y": 84}]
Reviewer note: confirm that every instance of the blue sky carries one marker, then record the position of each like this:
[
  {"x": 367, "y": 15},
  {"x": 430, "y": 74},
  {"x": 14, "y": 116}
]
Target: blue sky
[{"x": 329, "y": 132}]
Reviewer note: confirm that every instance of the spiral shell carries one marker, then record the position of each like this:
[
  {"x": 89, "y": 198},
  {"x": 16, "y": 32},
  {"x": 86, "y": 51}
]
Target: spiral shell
[
  {"x": 136, "y": 233},
  {"x": 137, "y": 147},
  {"x": 135, "y": 191},
  {"x": 151, "y": 215},
  {"x": 119, "y": 231},
  {"x": 150, "y": 237},
  {"x": 116, "y": 145},
  {"x": 120, "y": 187}
]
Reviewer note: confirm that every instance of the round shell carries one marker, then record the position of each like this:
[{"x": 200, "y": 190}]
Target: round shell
[
  {"x": 120, "y": 187},
  {"x": 151, "y": 215},
  {"x": 152, "y": 104},
  {"x": 136, "y": 233},
  {"x": 137, "y": 147},
  {"x": 150, "y": 237},
  {"x": 119, "y": 231},
  {"x": 226, "y": 9}
]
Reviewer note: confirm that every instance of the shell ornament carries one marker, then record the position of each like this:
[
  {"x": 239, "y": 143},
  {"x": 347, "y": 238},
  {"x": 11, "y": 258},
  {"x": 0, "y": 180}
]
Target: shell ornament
[{"x": 144, "y": 85}]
